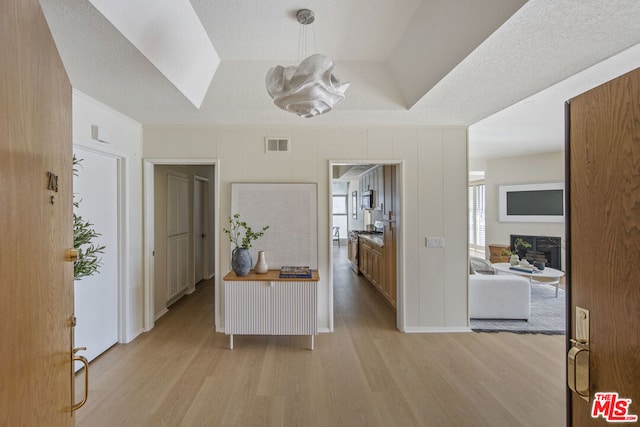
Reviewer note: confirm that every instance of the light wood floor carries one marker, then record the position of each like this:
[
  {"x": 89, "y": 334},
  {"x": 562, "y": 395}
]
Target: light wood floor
[{"x": 365, "y": 373}]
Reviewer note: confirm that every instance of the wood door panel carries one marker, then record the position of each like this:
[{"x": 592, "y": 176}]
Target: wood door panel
[
  {"x": 36, "y": 283},
  {"x": 604, "y": 235}
]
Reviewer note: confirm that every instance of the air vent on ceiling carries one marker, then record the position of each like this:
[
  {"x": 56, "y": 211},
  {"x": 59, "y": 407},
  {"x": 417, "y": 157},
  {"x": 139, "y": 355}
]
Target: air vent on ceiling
[{"x": 277, "y": 145}]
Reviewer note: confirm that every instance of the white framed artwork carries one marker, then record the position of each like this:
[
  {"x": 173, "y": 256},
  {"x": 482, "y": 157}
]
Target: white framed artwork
[{"x": 291, "y": 212}]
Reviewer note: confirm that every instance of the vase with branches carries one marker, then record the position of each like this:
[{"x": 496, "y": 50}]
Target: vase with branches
[{"x": 242, "y": 236}]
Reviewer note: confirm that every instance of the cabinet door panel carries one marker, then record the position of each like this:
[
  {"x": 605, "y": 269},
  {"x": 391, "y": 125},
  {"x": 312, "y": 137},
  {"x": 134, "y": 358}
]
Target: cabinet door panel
[
  {"x": 294, "y": 308},
  {"x": 247, "y": 307}
]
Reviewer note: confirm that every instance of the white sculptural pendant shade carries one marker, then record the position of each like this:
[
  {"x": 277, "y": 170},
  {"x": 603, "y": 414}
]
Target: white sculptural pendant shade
[{"x": 307, "y": 90}]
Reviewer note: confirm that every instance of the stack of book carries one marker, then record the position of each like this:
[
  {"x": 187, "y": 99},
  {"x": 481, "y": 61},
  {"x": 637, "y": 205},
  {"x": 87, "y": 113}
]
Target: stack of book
[
  {"x": 523, "y": 269},
  {"x": 295, "y": 272}
]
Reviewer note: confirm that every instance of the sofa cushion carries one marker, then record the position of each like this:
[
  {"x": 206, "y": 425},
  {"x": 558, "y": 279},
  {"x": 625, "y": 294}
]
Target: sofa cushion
[
  {"x": 499, "y": 297},
  {"x": 480, "y": 266}
]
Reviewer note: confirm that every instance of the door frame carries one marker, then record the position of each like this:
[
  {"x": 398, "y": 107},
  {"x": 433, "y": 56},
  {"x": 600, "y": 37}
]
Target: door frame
[
  {"x": 204, "y": 243},
  {"x": 400, "y": 313},
  {"x": 123, "y": 237},
  {"x": 148, "y": 206}
]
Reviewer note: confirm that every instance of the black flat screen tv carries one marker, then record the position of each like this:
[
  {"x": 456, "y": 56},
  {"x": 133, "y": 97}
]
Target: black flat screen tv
[{"x": 532, "y": 202}]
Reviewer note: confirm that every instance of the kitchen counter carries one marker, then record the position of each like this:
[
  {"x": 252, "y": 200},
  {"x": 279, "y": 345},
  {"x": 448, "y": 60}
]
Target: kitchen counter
[{"x": 373, "y": 238}]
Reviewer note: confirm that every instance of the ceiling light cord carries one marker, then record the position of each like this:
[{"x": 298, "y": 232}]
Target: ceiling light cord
[{"x": 303, "y": 42}]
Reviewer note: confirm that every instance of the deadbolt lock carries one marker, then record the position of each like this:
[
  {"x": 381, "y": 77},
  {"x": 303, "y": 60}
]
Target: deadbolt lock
[{"x": 71, "y": 255}]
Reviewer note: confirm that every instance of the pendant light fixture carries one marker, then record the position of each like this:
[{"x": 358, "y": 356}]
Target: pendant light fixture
[{"x": 309, "y": 89}]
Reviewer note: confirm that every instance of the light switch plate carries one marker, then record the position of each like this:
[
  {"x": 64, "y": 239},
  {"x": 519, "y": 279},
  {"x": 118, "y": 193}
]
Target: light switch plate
[{"x": 434, "y": 242}]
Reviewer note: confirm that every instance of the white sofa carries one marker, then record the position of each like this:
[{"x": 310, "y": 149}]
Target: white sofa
[{"x": 494, "y": 296}]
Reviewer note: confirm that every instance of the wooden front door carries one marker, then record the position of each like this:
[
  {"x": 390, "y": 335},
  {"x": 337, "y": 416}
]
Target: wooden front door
[
  {"x": 36, "y": 283},
  {"x": 603, "y": 243}
]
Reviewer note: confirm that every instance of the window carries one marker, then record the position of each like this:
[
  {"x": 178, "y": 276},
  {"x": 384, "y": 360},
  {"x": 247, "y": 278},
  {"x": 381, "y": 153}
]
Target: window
[
  {"x": 340, "y": 214},
  {"x": 476, "y": 216},
  {"x": 339, "y": 204}
]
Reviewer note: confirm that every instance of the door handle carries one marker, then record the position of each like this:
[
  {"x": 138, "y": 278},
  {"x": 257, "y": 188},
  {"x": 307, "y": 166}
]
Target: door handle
[
  {"x": 78, "y": 358},
  {"x": 578, "y": 370},
  {"x": 578, "y": 356}
]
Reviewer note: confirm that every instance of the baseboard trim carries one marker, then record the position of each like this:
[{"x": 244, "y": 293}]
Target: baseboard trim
[
  {"x": 437, "y": 330},
  {"x": 135, "y": 335},
  {"x": 162, "y": 313}
]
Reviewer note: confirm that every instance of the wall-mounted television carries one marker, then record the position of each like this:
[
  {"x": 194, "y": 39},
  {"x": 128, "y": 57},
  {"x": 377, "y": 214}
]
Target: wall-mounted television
[{"x": 532, "y": 202}]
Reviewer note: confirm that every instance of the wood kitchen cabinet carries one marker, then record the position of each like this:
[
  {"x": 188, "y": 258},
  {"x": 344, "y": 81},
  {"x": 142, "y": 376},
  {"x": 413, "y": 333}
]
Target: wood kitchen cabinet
[
  {"x": 371, "y": 264},
  {"x": 377, "y": 262},
  {"x": 373, "y": 180},
  {"x": 390, "y": 216}
]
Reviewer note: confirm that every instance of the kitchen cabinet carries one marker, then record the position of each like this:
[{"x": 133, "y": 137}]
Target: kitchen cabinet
[
  {"x": 373, "y": 180},
  {"x": 390, "y": 217},
  {"x": 371, "y": 265},
  {"x": 390, "y": 201},
  {"x": 378, "y": 260}
]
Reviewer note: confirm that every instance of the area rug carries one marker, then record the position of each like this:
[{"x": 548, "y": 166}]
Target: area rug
[{"x": 547, "y": 315}]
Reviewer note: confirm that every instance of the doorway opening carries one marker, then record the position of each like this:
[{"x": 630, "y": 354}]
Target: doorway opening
[
  {"x": 365, "y": 219},
  {"x": 181, "y": 216}
]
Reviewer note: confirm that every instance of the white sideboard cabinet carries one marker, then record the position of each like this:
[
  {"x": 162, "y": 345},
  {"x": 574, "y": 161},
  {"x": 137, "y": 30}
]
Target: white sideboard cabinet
[{"x": 265, "y": 304}]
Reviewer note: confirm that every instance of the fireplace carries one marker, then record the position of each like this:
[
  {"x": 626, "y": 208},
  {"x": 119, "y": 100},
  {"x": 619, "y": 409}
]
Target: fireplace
[{"x": 543, "y": 248}]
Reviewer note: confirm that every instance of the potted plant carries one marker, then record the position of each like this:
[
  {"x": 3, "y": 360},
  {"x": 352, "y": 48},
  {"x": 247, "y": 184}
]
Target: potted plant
[
  {"x": 242, "y": 237},
  {"x": 88, "y": 261},
  {"x": 520, "y": 246}
]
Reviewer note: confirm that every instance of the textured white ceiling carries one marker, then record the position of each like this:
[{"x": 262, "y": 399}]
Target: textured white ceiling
[
  {"x": 467, "y": 64},
  {"x": 170, "y": 35},
  {"x": 536, "y": 124},
  {"x": 345, "y": 30}
]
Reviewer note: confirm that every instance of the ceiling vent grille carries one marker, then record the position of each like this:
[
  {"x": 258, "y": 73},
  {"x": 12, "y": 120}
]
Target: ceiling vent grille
[{"x": 277, "y": 145}]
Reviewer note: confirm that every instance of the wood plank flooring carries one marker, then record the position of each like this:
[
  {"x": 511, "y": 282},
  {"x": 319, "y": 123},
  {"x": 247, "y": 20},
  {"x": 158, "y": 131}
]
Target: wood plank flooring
[{"x": 365, "y": 373}]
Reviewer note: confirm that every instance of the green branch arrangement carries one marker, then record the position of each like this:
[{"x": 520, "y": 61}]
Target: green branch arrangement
[
  {"x": 88, "y": 261},
  {"x": 240, "y": 234},
  {"x": 519, "y": 245}
]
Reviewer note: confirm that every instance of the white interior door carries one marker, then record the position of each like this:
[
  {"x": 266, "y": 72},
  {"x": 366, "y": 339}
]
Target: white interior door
[
  {"x": 96, "y": 297},
  {"x": 177, "y": 236}
]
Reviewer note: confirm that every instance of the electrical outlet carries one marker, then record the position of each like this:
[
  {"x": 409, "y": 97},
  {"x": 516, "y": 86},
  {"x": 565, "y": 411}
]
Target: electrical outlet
[{"x": 434, "y": 242}]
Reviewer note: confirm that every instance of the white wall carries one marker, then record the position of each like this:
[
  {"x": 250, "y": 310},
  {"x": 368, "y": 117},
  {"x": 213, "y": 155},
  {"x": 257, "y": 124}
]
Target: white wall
[
  {"x": 434, "y": 170},
  {"x": 126, "y": 145},
  {"x": 521, "y": 170}
]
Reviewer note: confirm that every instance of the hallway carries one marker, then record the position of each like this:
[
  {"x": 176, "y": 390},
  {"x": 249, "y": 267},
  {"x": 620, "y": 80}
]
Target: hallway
[{"x": 365, "y": 373}]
